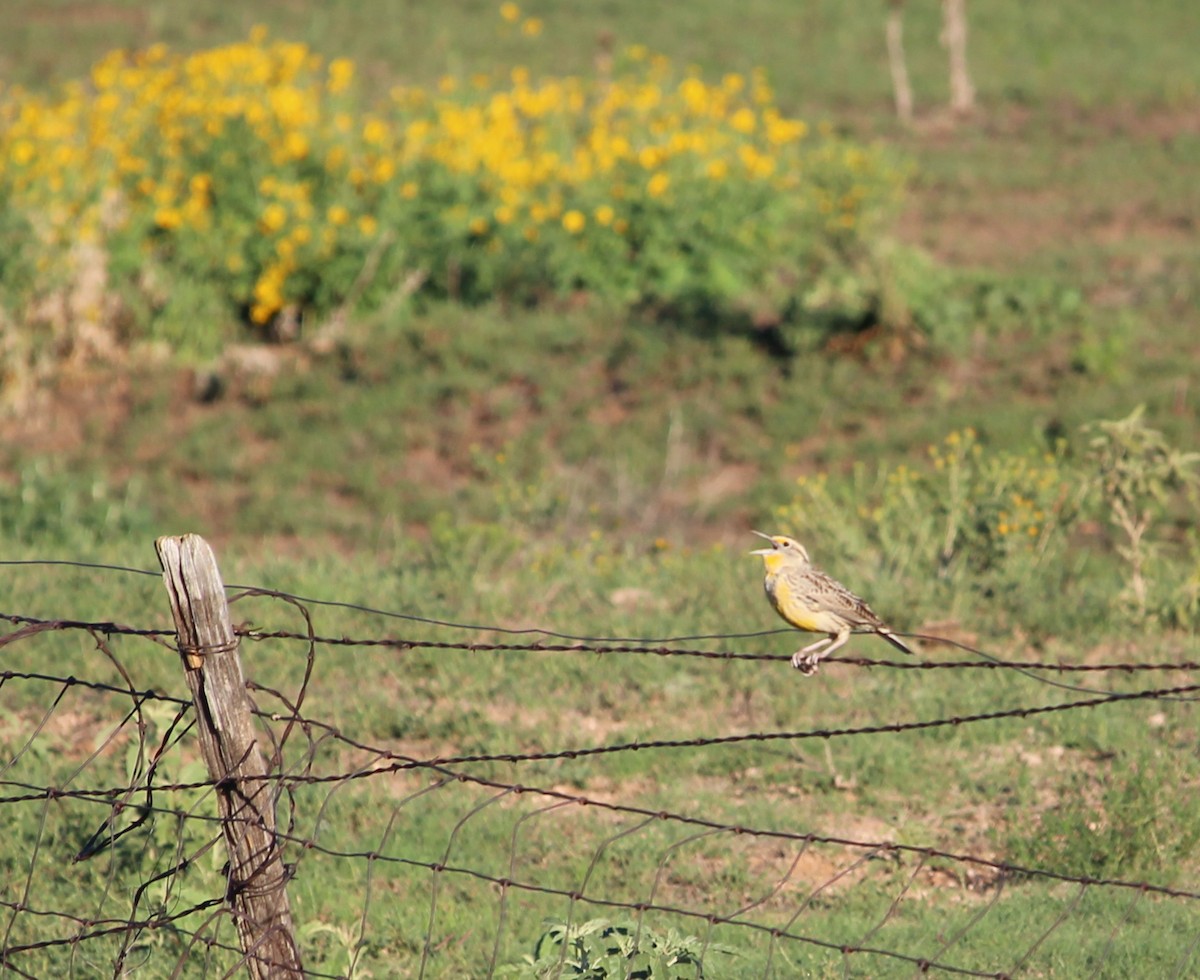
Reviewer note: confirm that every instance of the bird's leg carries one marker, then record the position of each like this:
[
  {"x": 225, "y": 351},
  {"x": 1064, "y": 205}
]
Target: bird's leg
[
  {"x": 806, "y": 660},
  {"x": 820, "y": 643}
]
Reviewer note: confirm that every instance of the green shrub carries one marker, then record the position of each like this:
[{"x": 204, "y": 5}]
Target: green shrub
[
  {"x": 600, "y": 949},
  {"x": 1006, "y": 527}
]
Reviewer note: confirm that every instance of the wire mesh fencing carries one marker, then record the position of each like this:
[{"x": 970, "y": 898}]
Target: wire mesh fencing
[{"x": 418, "y": 843}]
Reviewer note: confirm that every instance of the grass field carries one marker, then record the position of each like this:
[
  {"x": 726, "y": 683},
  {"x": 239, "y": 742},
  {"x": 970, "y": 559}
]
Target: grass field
[{"x": 582, "y": 469}]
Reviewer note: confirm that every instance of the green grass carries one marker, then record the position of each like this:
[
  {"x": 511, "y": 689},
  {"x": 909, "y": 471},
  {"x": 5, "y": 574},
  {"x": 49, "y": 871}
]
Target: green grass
[
  {"x": 1081, "y": 792},
  {"x": 1023, "y": 53},
  {"x": 518, "y": 468}
]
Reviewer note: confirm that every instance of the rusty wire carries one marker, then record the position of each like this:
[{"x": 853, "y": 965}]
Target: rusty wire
[{"x": 129, "y": 808}]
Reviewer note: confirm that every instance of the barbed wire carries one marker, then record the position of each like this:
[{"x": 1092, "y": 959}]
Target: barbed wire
[
  {"x": 90, "y": 929},
  {"x": 953, "y": 721},
  {"x": 710, "y": 918},
  {"x": 147, "y": 799},
  {"x": 263, "y": 591},
  {"x": 609, "y": 645},
  {"x": 650, "y": 644},
  {"x": 95, "y": 928},
  {"x": 104, "y": 796}
]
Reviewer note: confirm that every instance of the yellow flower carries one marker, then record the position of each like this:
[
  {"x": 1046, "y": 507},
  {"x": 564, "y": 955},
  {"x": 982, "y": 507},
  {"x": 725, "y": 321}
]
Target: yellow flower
[
  {"x": 478, "y": 226},
  {"x": 338, "y": 215},
  {"x": 409, "y": 190},
  {"x": 604, "y": 215},
  {"x": 341, "y": 73},
  {"x": 295, "y": 145},
  {"x": 168, "y": 218},
  {"x": 195, "y": 211},
  {"x": 504, "y": 214},
  {"x": 273, "y": 218},
  {"x": 781, "y": 131},
  {"x": 532, "y": 27},
  {"x": 716, "y": 169},
  {"x": 650, "y": 157},
  {"x": 367, "y": 225},
  {"x": 743, "y": 120},
  {"x": 375, "y": 132},
  {"x": 574, "y": 221},
  {"x": 23, "y": 152},
  {"x": 757, "y": 164},
  {"x": 510, "y": 12},
  {"x": 657, "y": 185}
]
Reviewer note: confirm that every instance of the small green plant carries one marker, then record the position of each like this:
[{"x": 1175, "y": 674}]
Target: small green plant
[
  {"x": 338, "y": 943},
  {"x": 601, "y": 949},
  {"x": 1103, "y": 348},
  {"x": 1137, "y": 473}
]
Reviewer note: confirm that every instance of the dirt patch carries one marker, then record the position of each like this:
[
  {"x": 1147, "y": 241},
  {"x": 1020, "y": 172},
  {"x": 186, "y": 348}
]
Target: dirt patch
[{"x": 84, "y": 404}]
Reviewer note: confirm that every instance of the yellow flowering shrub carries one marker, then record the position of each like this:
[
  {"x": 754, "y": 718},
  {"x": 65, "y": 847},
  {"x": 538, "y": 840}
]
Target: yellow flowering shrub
[
  {"x": 967, "y": 515},
  {"x": 1022, "y": 530},
  {"x": 251, "y": 178}
]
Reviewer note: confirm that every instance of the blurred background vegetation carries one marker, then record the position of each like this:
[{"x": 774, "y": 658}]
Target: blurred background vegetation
[{"x": 524, "y": 315}]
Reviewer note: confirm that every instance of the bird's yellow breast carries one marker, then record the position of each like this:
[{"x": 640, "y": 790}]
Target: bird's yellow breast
[{"x": 790, "y": 604}]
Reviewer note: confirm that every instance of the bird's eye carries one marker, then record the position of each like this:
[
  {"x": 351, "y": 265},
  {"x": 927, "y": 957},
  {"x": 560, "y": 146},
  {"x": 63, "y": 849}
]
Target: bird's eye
[{"x": 785, "y": 544}]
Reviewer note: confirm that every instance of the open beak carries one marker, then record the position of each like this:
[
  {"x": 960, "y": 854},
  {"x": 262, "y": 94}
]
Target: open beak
[{"x": 763, "y": 551}]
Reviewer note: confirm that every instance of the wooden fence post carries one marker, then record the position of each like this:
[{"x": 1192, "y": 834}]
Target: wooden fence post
[
  {"x": 901, "y": 86},
  {"x": 257, "y": 877}
]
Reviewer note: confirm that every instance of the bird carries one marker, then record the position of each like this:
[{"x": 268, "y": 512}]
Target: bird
[{"x": 810, "y": 600}]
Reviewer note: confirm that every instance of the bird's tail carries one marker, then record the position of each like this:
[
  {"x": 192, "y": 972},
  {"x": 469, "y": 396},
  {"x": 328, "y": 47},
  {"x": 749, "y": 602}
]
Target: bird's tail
[{"x": 891, "y": 638}]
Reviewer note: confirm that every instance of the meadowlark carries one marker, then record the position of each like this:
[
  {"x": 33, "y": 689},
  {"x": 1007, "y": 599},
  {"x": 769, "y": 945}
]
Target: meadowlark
[{"x": 810, "y": 600}]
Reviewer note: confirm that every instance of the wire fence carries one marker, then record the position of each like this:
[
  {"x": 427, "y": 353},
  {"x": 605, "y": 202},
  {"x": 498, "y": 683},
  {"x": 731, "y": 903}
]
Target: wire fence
[{"x": 129, "y": 849}]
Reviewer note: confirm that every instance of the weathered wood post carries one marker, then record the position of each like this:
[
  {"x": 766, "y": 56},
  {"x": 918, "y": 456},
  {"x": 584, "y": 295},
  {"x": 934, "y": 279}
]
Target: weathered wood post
[
  {"x": 901, "y": 86},
  {"x": 257, "y": 877}
]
